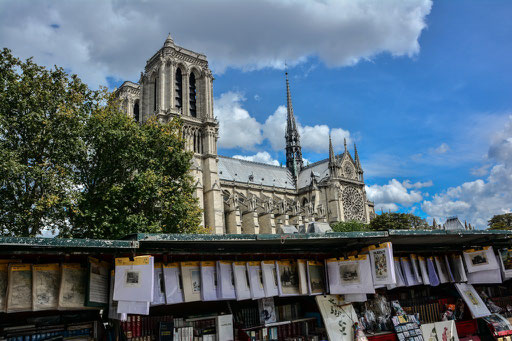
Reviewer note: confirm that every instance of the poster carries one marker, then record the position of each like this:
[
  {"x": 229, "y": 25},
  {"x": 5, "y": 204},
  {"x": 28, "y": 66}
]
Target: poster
[
  {"x": 474, "y": 302},
  {"x": 269, "y": 272},
  {"x": 255, "y": 280},
  {"x": 191, "y": 276},
  {"x": 173, "y": 283},
  {"x": 506, "y": 262},
  {"x": 338, "y": 316},
  {"x": 267, "y": 310},
  {"x": 208, "y": 281},
  {"x": 442, "y": 271},
  {"x": 416, "y": 268},
  {"x": 72, "y": 286},
  {"x": 316, "y": 277},
  {"x": 242, "y": 291},
  {"x": 134, "y": 279},
  {"x": 381, "y": 259},
  {"x": 19, "y": 288},
  {"x": 225, "y": 280},
  {"x": 97, "y": 285},
  {"x": 423, "y": 269},
  {"x": 355, "y": 275},
  {"x": 479, "y": 260},
  {"x": 287, "y": 278},
  {"x": 45, "y": 286},
  {"x": 333, "y": 275}
]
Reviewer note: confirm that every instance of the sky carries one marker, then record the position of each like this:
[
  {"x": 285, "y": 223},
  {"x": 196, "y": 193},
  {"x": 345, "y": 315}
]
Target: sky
[{"x": 424, "y": 88}]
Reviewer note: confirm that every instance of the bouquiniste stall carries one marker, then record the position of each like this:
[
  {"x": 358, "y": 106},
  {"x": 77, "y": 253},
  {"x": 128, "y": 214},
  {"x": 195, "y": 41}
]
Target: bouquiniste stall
[{"x": 387, "y": 285}]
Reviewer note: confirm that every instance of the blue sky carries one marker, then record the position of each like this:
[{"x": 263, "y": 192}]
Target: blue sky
[{"x": 424, "y": 88}]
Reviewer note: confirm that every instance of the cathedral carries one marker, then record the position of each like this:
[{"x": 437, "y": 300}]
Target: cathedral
[{"x": 239, "y": 196}]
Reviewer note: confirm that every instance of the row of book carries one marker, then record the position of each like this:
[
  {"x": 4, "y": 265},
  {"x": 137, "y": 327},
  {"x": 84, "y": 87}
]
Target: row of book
[
  {"x": 299, "y": 330},
  {"x": 67, "y": 286},
  {"x": 85, "y": 331}
]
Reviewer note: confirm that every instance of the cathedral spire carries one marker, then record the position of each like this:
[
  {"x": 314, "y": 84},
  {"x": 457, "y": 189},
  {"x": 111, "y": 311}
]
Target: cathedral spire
[
  {"x": 356, "y": 157},
  {"x": 293, "y": 150},
  {"x": 331, "y": 150},
  {"x": 169, "y": 42},
  {"x": 345, "y": 143}
]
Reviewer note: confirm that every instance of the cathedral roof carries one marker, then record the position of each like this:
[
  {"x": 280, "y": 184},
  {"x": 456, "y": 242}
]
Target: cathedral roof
[
  {"x": 320, "y": 169},
  {"x": 231, "y": 169}
]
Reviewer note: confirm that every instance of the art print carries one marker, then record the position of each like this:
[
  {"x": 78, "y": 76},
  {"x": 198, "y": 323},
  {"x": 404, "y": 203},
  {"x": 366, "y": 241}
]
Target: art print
[
  {"x": 316, "y": 279},
  {"x": 381, "y": 264},
  {"x": 132, "y": 279},
  {"x": 72, "y": 288},
  {"x": 350, "y": 273},
  {"x": 429, "y": 332},
  {"x": 289, "y": 278},
  {"x": 20, "y": 290},
  {"x": 478, "y": 258},
  {"x": 446, "y": 331},
  {"x": 46, "y": 288},
  {"x": 506, "y": 258},
  {"x": 195, "y": 276}
]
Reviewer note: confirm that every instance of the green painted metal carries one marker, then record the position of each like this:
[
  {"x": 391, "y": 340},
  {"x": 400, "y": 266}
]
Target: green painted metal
[
  {"x": 67, "y": 243},
  {"x": 417, "y": 232}
]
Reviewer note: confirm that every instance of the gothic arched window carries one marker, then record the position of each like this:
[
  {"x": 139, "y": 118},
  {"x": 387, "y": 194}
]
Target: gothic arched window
[
  {"x": 136, "y": 111},
  {"x": 178, "y": 89},
  {"x": 192, "y": 95}
]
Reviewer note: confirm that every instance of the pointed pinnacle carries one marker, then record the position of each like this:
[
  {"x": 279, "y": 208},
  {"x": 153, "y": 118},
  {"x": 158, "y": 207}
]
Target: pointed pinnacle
[{"x": 345, "y": 142}]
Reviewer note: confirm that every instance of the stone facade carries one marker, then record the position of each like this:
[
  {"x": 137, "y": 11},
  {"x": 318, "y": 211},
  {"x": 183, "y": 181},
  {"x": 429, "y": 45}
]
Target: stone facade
[{"x": 240, "y": 196}]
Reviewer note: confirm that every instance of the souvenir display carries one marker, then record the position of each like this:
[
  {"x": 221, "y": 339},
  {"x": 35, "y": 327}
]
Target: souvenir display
[
  {"x": 268, "y": 269},
  {"x": 96, "y": 294},
  {"x": 287, "y": 277},
  {"x": 191, "y": 277},
  {"x": 481, "y": 259},
  {"x": 383, "y": 268},
  {"x": 173, "y": 283},
  {"x": 474, "y": 302},
  {"x": 45, "y": 286},
  {"x": 506, "y": 262},
  {"x": 316, "y": 277},
  {"x": 255, "y": 280},
  {"x": 158, "y": 286},
  {"x": 134, "y": 279},
  {"x": 72, "y": 286},
  {"x": 208, "y": 281},
  {"x": 355, "y": 275},
  {"x": 303, "y": 277},
  {"x": 498, "y": 325},
  {"x": 423, "y": 269},
  {"x": 225, "y": 280},
  {"x": 242, "y": 289},
  {"x": 407, "y": 328}
]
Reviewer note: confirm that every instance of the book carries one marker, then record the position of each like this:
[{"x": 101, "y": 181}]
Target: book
[
  {"x": 19, "y": 288},
  {"x": 45, "y": 286},
  {"x": 224, "y": 326},
  {"x": 165, "y": 331},
  {"x": 97, "y": 283},
  {"x": 72, "y": 286}
]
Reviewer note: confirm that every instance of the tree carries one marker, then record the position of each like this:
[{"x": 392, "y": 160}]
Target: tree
[
  {"x": 71, "y": 161},
  {"x": 349, "y": 226},
  {"x": 501, "y": 222},
  {"x": 398, "y": 221}
]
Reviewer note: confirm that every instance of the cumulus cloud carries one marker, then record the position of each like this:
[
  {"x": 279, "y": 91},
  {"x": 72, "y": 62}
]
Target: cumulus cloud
[
  {"x": 442, "y": 149},
  {"x": 394, "y": 193},
  {"x": 263, "y": 157},
  {"x": 417, "y": 185},
  {"x": 477, "y": 201},
  {"x": 100, "y": 38},
  {"x": 313, "y": 138},
  {"x": 237, "y": 128}
]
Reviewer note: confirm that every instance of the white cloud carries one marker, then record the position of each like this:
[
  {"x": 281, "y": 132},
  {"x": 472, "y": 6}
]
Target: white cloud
[
  {"x": 263, "y": 157},
  {"x": 480, "y": 171},
  {"x": 313, "y": 138},
  {"x": 442, "y": 149},
  {"x": 477, "y": 201},
  {"x": 237, "y": 128},
  {"x": 100, "y": 38},
  {"x": 389, "y": 196},
  {"x": 417, "y": 185}
]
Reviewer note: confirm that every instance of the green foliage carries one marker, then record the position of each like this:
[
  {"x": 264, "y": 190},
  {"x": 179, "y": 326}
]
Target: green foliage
[
  {"x": 349, "y": 226},
  {"x": 398, "y": 221},
  {"x": 71, "y": 161},
  {"x": 501, "y": 222}
]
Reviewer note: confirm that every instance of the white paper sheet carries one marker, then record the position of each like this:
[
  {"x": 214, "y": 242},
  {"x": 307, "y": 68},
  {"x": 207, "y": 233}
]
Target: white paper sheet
[
  {"x": 269, "y": 272},
  {"x": 173, "y": 283},
  {"x": 158, "y": 286},
  {"x": 355, "y": 275},
  {"x": 416, "y": 268},
  {"x": 349, "y": 298},
  {"x": 134, "y": 279},
  {"x": 423, "y": 270},
  {"x": 45, "y": 286},
  {"x": 333, "y": 275},
  {"x": 442, "y": 272},
  {"x": 208, "y": 281},
  {"x": 191, "y": 277},
  {"x": 225, "y": 280},
  {"x": 474, "y": 302},
  {"x": 255, "y": 280},
  {"x": 287, "y": 277},
  {"x": 457, "y": 267},
  {"x": 485, "y": 277},
  {"x": 316, "y": 278},
  {"x": 243, "y": 291},
  {"x": 407, "y": 271},
  {"x": 133, "y": 307},
  {"x": 400, "y": 279},
  {"x": 303, "y": 277},
  {"x": 479, "y": 260},
  {"x": 383, "y": 268},
  {"x": 97, "y": 293}
]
